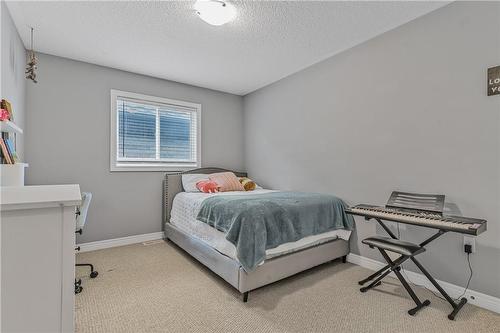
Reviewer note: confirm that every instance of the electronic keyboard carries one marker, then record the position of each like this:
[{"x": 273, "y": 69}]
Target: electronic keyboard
[
  {"x": 465, "y": 225},
  {"x": 425, "y": 210}
]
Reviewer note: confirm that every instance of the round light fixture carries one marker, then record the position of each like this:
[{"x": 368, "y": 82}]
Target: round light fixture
[{"x": 215, "y": 12}]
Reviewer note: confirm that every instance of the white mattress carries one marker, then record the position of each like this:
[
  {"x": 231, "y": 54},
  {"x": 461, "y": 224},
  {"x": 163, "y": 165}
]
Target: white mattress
[{"x": 185, "y": 209}]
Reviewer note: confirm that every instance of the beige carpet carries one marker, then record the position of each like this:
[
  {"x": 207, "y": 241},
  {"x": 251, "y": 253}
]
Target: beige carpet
[{"x": 159, "y": 288}]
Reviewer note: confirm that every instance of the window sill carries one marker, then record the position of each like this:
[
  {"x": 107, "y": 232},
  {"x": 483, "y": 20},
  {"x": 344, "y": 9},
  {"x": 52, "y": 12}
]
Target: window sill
[{"x": 143, "y": 167}]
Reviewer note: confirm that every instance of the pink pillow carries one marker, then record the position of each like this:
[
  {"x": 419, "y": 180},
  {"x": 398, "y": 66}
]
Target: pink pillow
[
  {"x": 207, "y": 186},
  {"x": 227, "y": 181}
]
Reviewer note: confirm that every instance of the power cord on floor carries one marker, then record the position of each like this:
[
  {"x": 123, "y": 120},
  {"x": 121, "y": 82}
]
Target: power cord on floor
[{"x": 431, "y": 291}]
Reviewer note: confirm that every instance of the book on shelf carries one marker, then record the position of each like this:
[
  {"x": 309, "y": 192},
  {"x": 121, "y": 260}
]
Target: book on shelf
[
  {"x": 11, "y": 150},
  {"x": 6, "y": 158}
]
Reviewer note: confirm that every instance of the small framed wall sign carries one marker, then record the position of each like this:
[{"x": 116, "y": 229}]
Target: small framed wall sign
[{"x": 494, "y": 81}]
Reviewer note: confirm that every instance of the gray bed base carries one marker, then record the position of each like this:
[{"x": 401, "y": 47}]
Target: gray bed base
[{"x": 229, "y": 269}]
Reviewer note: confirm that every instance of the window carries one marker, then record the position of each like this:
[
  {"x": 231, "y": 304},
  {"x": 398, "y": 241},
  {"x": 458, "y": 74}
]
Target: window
[{"x": 153, "y": 134}]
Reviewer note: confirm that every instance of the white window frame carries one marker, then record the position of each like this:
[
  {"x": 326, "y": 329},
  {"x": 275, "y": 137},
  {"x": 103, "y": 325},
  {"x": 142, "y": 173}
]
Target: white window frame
[{"x": 116, "y": 165}]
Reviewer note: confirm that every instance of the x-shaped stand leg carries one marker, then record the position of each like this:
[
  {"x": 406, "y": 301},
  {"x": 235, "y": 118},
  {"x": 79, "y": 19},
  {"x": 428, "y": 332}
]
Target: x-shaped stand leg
[{"x": 384, "y": 271}]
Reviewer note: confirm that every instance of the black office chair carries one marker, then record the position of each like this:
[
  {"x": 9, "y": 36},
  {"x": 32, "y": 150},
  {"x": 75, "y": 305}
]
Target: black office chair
[{"x": 81, "y": 217}]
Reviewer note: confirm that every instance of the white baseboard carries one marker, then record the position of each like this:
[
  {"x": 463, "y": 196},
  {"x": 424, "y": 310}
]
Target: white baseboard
[
  {"x": 479, "y": 299},
  {"x": 107, "y": 243}
]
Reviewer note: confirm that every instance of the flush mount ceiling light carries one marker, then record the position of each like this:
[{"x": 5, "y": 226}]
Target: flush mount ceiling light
[{"x": 215, "y": 12}]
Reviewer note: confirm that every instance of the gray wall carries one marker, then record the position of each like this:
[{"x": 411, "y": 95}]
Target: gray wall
[
  {"x": 67, "y": 141},
  {"x": 407, "y": 110},
  {"x": 13, "y": 84}
]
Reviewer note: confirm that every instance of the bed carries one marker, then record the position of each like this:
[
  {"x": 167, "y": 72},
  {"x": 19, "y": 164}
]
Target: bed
[{"x": 209, "y": 247}]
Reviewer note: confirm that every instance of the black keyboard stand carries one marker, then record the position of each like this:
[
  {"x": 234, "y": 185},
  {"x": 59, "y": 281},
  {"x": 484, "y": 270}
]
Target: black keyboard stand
[{"x": 386, "y": 270}]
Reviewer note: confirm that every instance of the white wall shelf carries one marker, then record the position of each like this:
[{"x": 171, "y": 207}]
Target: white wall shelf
[{"x": 10, "y": 127}]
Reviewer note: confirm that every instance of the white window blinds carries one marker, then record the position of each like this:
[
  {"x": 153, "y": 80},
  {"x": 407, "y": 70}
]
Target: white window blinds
[{"x": 152, "y": 133}]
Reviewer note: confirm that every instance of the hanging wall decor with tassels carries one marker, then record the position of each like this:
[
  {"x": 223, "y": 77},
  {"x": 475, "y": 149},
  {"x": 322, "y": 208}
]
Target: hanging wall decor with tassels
[{"x": 31, "y": 66}]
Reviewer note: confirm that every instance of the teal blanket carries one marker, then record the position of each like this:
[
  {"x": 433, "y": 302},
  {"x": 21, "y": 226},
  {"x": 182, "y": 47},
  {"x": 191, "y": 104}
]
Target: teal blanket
[{"x": 257, "y": 222}]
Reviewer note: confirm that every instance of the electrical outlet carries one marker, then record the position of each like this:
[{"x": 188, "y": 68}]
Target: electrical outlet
[{"x": 469, "y": 240}]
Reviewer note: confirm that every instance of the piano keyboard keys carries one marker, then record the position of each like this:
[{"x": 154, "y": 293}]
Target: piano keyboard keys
[{"x": 423, "y": 218}]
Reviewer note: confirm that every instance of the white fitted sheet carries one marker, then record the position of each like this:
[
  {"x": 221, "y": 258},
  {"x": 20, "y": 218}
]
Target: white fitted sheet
[{"x": 186, "y": 206}]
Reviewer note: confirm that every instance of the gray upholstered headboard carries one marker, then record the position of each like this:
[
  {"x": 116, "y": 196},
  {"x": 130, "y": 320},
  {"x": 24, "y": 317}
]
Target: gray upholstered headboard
[{"x": 172, "y": 184}]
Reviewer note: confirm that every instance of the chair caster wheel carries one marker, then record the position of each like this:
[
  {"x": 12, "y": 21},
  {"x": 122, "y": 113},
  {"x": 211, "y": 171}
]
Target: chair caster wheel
[
  {"x": 93, "y": 274},
  {"x": 78, "y": 289}
]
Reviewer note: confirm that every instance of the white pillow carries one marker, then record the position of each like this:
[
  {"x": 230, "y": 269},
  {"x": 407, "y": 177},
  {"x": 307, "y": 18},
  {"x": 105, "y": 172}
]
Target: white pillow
[{"x": 189, "y": 181}]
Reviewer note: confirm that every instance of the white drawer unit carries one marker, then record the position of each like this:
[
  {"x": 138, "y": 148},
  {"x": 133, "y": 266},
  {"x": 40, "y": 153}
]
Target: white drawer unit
[{"x": 37, "y": 250}]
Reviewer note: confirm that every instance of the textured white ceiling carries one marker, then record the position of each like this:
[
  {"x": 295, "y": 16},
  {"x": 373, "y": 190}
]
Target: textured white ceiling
[{"x": 267, "y": 41}]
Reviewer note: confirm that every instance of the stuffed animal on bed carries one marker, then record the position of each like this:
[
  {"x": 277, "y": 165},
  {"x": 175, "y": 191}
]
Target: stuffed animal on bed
[
  {"x": 207, "y": 186},
  {"x": 247, "y": 183}
]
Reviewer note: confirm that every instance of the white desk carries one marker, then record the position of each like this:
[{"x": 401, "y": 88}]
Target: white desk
[{"x": 37, "y": 248}]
